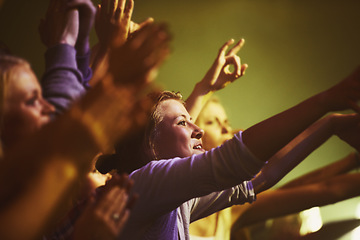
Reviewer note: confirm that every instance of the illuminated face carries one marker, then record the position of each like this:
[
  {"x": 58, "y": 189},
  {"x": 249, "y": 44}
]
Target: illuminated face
[
  {"x": 25, "y": 111},
  {"x": 176, "y": 135},
  {"x": 216, "y": 126}
]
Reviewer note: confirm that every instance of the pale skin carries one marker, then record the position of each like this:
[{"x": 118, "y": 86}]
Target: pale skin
[
  {"x": 45, "y": 187},
  {"x": 217, "y": 77},
  {"x": 68, "y": 22},
  {"x": 318, "y": 191},
  {"x": 342, "y": 96},
  {"x": 25, "y": 110},
  {"x": 113, "y": 26},
  {"x": 178, "y": 136},
  {"x": 214, "y": 121}
]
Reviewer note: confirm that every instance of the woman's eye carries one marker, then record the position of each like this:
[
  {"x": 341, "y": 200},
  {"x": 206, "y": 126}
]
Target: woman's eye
[
  {"x": 183, "y": 123},
  {"x": 209, "y": 122},
  {"x": 31, "y": 101}
]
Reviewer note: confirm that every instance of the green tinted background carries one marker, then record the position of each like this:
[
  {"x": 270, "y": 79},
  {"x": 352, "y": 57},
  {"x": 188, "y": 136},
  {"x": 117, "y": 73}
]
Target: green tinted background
[{"x": 294, "y": 49}]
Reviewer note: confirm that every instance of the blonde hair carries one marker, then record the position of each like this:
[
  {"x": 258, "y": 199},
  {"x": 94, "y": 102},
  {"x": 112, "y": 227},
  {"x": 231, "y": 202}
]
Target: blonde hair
[
  {"x": 9, "y": 64},
  {"x": 213, "y": 99}
]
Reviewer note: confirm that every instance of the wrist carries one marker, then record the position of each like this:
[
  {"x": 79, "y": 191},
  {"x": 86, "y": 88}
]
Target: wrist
[
  {"x": 202, "y": 88},
  {"x": 332, "y": 121},
  {"x": 259, "y": 183},
  {"x": 82, "y": 47},
  {"x": 318, "y": 102},
  {"x": 67, "y": 40}
]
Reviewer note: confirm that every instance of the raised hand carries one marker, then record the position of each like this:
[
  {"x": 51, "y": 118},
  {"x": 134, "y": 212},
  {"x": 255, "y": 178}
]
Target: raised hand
[
  {"x": 60, "y": 25},
  {"x": 137, "y": 26},
  {"x": 141, "y": 54},
  {"x": 219, "y": 74},
  {"x": 113, "y": 20},
  {"x": 112, "y": 26},
  {"x": 105, "y": 217},
  {"x": 87, "y": 12}
]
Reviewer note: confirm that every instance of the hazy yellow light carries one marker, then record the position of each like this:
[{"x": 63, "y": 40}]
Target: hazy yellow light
[
  {"x": 311, "y": 220},
  {"x": 355, "y": 234},
  {"x": 357, "y": 212}
]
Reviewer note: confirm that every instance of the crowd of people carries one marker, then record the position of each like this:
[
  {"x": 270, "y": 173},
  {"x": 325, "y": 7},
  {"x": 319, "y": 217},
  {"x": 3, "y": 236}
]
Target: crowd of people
[{"x": 95, "y": 150}]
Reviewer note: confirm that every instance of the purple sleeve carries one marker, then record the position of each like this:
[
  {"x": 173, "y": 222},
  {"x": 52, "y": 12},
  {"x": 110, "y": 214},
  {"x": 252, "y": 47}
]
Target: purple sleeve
[
  {"x": 216, "y": 201},
  {"x": 83, "y": 63},
  {"x": 169, "y": 183},
  {"x": 62, "y": 82}
]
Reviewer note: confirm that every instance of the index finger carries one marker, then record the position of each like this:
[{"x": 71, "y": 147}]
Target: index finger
[
  {"x": 225, "y": 47},
  {"x": 236, "y": 48},
  {"x": 121, "y": 4}
]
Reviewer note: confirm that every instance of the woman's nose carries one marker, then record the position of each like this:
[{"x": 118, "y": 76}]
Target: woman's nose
[
  {"x": 48, "y": 108},
  {"x": 225, "y": 129},
  {"x": 197, "y": 133}
]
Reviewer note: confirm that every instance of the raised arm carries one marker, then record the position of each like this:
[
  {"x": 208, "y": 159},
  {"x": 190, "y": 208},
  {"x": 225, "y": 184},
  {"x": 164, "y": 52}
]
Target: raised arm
[
  {"x": 344, "y": 165},
  {"x": 218, "y": 76},
  {"x": 86, "y": 19},
  {"x": 113, "y": 26},
  {"x": 319, "y": 191},
  {"x": 63, "y": 82},
  {"x": 48, "y": 170},
  {"x": 280, "y": 129},
  {"x": 281, "y": 202},
  {"x": 301, "y": 146}
]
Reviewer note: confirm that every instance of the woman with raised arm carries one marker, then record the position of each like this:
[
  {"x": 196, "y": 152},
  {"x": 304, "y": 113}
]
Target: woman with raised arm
[
  {"x": 185, "y": 183},
  {"x": 46, "y": 171},
  {"x": 113, "y": 26},
  {"x": 217, "y": 129}
]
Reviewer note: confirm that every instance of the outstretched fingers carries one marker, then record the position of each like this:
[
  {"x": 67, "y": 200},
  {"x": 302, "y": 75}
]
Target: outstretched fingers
[
  {"x": 128, "y": 11},
  {"x": 224, "y": 48},
  {"x": 234, "y": 50},
  {"x": 135, "y": 27}
]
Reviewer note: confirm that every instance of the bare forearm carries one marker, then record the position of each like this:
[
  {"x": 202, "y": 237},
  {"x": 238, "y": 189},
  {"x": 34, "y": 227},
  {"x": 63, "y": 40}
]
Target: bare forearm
[
  {"x": 197, "y": 100},
  {"x": 271, "y": 204},
  {"x": 341, "y": 166},
  {"x": 292, "y": 154},
  {"x": 269, "y": 136},
  {"x": 277, "y": 131}
]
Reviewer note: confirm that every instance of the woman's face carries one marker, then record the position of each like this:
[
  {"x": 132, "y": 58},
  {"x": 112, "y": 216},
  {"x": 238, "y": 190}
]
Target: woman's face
[
  {"x": 176, "y": 135},
  {"x": 25, "y": 111},
  {"x": 215, "y": 123}
]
